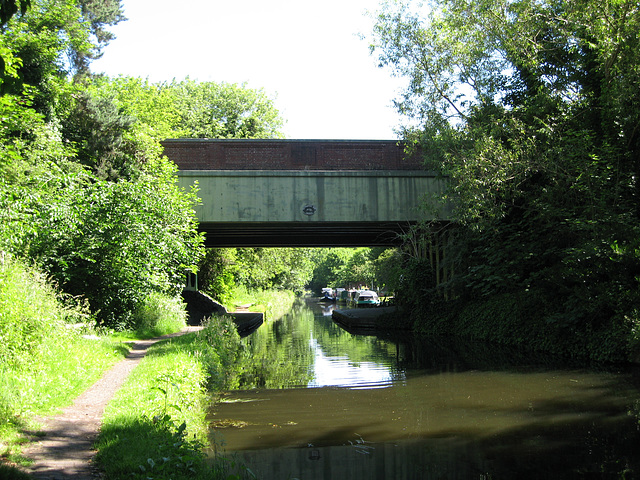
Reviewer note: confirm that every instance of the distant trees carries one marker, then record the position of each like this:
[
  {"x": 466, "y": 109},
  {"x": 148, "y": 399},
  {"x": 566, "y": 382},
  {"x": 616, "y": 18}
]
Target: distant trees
[
  {"x": 532, "y": 110},
  {"x": 377, "y": 268},
  {"x": 141, "y": 112},
  {"x": 222, "y": 110},
  {"x": 224, "y": 269}
]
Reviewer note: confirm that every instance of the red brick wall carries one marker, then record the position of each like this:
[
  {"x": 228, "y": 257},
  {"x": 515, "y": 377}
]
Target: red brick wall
[{"x": 196, "y": 154}]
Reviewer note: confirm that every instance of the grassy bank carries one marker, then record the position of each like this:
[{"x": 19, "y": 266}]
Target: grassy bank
[
  {"x": 156, "y": 427},
  {"x": 51, "y": 352},
  {"x": 43, "y": 389},
  {"x": 273, "y": 303},
  {"x": 49, "y": 355}
]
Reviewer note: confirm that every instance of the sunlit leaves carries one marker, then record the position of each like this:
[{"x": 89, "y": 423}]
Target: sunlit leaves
[
  {"x": 115, "y": 242},
  {"x": 279, "y": 268},
  {"x": 449, "y": 55},
  {"x": 223, "y": 110},
  {"x": 532, "y": 109}
]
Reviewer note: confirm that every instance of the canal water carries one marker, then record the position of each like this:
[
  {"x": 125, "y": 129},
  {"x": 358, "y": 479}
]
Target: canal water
[{"x": 313, "y": 401}]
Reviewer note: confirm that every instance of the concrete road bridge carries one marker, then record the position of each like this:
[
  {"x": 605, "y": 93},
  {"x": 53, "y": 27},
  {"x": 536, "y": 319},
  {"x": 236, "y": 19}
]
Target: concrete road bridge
[{"x": 304, "y": 192}]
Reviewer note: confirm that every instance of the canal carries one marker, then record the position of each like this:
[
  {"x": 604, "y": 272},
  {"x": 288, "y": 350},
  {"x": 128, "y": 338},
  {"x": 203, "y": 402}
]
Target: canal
[{"x": 313, "y": 401}]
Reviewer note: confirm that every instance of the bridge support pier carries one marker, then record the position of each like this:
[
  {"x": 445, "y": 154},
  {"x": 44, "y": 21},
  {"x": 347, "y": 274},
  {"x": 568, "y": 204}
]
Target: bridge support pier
[{"x": 191, "y": 284}]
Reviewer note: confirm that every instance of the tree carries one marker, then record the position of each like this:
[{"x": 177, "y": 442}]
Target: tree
[
  {"x": 519, "y": 80},
  {"x": 97, "y": 128},
  {"x": 112, "y": 242},
  {"x": 345, "y": 267},
  {"x": 8, "y": 8},
  {"x": 55, "y": 39},
  {"x": 85, "y": 190},
  {"x": 330, "y": 264},
  {"x": 389, "y": 269},
  {"x": 217, "y": 273},
  {"x": 222, "y": 110},
  {"x": 113, "y": 234},
  {"x": 278, "y": 268},
  {"x": 360, "y": 268},
  {"x": 531, "y": 109},
  {"x": 99, "y": 15}
]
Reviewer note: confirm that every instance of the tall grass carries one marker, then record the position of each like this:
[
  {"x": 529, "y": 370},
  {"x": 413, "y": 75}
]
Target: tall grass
[
  {"x": 48, "y": 358},
  {"x": 155, "y": 427},
  {"x": 159, "y": 315},
  {"x": 30, "y": 316}
]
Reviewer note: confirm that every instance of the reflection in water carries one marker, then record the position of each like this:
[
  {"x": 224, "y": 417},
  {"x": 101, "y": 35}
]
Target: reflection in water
[
  {"x": 433, "y": 413},
  {"x": 340, "y": 371},
  {"x": 327, "y": 310}
]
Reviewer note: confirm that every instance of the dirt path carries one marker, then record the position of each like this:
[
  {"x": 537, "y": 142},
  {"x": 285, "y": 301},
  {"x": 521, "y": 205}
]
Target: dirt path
[{"x": 66, "y": 450}]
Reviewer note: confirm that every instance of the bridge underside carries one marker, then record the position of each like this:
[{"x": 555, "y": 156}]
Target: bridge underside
[{"x": 303, "y": 234}]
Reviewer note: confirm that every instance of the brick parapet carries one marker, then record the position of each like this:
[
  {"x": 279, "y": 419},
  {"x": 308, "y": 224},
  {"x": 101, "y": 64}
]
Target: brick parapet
[{"x": 205, "y": 154}]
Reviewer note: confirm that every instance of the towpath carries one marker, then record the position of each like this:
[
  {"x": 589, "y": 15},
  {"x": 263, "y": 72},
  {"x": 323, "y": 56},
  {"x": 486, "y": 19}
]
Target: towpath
[{"x": 66, "y": 448}]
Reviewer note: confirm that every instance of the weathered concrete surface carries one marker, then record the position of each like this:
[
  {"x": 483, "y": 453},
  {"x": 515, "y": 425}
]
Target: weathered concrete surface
[
  {"x": 312, "y": 196},
  {"x": 200, "y": 306},
  {"x": 312, "y": 208},
  {"x": 306, "y": 192}
]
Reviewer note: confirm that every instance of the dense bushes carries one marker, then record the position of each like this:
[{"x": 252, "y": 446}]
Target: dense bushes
[
  {"x": 160, "y": 314},
  {"x": 525, "y": 285},
  {"x": 525, "y": 320},
  {"x": 378, "y": 268},
  {"x": 112, "y": 242},
  {"x": 85, "y": 192},
  {"x": 530, "y": 110}
]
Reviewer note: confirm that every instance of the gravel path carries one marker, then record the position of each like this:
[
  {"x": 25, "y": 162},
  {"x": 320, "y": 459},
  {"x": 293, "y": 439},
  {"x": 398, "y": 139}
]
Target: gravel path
[{"x": 66, "y": 449}]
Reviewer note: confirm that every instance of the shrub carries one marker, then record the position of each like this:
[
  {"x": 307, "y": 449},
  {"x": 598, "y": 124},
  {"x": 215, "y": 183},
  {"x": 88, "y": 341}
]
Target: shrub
[
  {"x": 160, "y": 314},
  {"x": 220, "y": 348}
]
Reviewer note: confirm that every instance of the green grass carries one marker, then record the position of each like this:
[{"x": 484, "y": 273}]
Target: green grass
[
  {"x": 63, "y": 372},
  {"x": 155, "y": 426},
  {"x": 273, "y": 303},
  {"x": 8, "y": 472},
  {"x": 159, "y": 315},
  {"x": 48, "y": 358},
  {"x": 164, "y": 391},
  {"x": 50, "y": 353}
]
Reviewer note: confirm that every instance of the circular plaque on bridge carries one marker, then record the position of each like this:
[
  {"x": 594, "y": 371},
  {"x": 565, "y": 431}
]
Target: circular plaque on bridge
[{"x": 309, "y": 210}]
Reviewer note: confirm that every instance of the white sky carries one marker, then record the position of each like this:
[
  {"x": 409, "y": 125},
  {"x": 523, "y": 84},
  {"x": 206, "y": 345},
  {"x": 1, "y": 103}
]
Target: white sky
[{"x": 305, "y": 54}]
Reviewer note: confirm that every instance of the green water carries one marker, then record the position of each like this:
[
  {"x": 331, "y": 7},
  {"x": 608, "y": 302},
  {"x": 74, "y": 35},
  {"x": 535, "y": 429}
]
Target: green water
[{"x": 316, "y": 402}]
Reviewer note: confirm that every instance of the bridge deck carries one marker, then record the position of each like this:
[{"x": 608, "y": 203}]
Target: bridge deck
[{"x": 304, "y": 192}]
